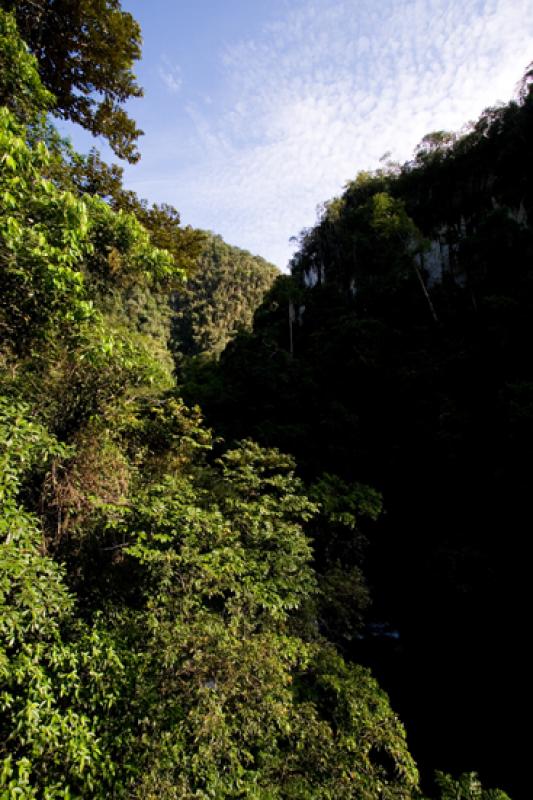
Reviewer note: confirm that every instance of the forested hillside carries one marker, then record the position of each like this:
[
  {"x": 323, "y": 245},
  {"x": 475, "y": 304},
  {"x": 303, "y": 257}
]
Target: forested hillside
[
  {"x": 408, "y": 369},
  {"x": 219, "y": 298},
  {"x": 183, "y": 616}
]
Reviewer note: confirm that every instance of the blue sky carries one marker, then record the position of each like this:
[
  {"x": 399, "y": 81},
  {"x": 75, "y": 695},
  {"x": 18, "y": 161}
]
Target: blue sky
[{"x": 257, "y": 111}]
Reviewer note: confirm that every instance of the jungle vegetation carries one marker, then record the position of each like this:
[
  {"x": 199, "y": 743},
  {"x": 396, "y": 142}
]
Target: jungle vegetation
[
  {"x": 180, "y": 604},
  {"x": 219, "y": 299}
]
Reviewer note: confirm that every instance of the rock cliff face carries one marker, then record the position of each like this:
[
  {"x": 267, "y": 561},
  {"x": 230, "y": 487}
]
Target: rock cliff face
[{"x": 450, "y": 212}]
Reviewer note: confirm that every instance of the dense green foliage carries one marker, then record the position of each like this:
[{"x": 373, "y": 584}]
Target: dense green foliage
[
  {"x": 21, "y": 89},
  {"x": 174, "y": 612},
  {"x": 219, "y": 299},
  {"x": 158, "y": 637}
]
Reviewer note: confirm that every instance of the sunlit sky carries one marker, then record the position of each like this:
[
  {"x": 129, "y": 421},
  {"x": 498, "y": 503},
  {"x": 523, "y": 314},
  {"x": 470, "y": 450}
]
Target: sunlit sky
[{"x": 257, "y": 111}]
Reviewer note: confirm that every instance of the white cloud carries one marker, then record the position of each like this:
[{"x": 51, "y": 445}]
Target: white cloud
[
  {"x": 327, "y": 90},
  {"x": 171, "y": 75}
]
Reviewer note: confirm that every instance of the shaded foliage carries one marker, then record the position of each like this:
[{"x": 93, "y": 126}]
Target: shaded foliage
[{"x": 408, "y": 370}]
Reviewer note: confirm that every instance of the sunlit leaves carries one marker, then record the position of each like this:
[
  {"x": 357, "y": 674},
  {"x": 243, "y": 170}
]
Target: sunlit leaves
[
  {"x": 43, "y": 238},
  {"x": 122, "y": 251},
  {"x": 20, "y": 87},
  {"x": 58, "y": 681}
]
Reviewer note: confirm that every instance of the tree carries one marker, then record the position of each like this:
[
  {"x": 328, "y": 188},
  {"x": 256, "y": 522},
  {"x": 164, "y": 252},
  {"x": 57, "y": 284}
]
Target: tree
[
  {"x": 44, "y": 235},
  {"x": 237, "y": 703},
  {"x": 89, "y": 174},
  {"x": 21, "y": 89},
  {"x": 466, "y": 787},
  {"x": 85, "y": 50}
]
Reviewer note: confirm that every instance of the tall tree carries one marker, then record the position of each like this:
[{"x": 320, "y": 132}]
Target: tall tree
[{"x": 85, "y": 50}]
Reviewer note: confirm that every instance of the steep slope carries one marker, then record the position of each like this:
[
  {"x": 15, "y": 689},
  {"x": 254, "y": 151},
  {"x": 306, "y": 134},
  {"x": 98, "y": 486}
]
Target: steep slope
[
  {"x": 219, "y": 298},
  {"x": 409, "y": 369}
]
